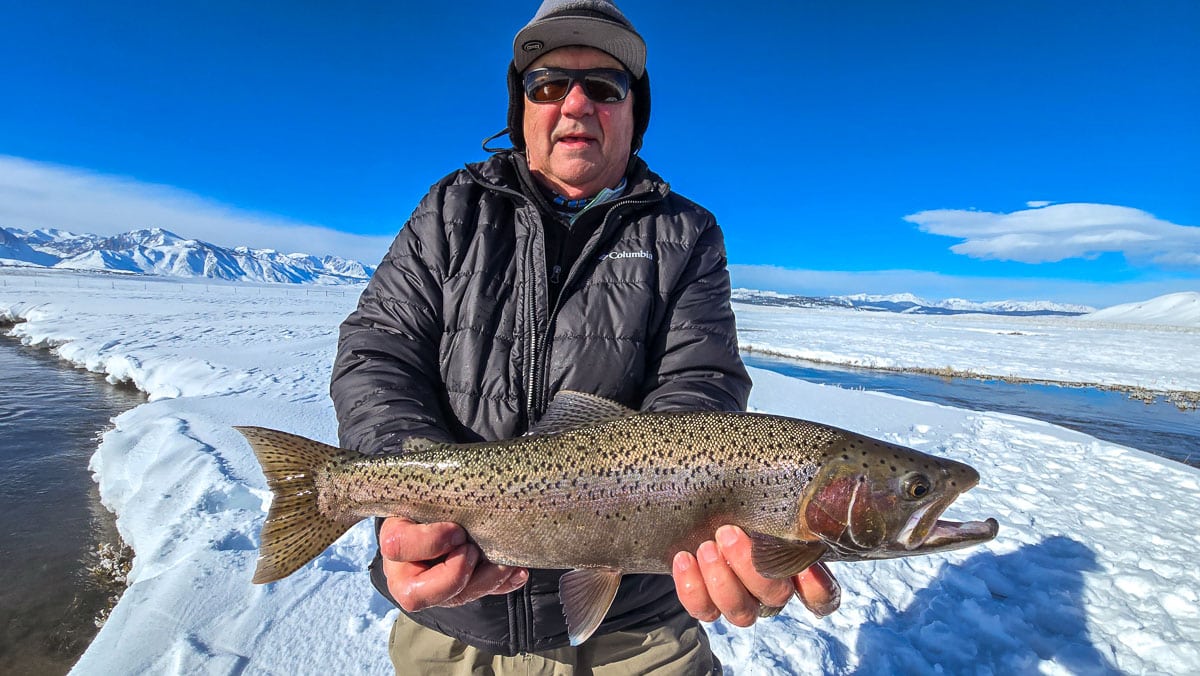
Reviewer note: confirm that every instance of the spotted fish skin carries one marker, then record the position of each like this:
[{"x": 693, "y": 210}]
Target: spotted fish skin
[
  {"x": 620, "y": 494},
  {"x": 604, "y": 491}
]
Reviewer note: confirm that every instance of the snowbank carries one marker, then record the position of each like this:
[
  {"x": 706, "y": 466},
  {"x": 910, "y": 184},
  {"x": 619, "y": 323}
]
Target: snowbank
[{"x": 1093, "y": 570}]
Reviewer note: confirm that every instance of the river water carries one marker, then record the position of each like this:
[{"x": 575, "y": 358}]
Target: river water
[
  {"x": 51, "y": 519},
  {"x": 1160, "y": 428}
]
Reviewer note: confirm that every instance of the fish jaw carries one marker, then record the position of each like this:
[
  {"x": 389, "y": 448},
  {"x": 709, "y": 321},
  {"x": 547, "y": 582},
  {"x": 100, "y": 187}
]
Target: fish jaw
[{"x": 947, "y": 536}]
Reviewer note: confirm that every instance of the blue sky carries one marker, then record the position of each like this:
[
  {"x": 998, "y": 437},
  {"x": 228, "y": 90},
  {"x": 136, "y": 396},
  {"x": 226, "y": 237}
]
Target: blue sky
[{"x": 985, "y": 150}]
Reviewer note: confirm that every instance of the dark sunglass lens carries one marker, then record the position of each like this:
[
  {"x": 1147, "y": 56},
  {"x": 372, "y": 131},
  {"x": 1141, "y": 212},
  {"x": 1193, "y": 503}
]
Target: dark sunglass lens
[
  {"x": 545, "y": 92},
  {"x": 603, "y": 89},
  {"x": 543, "y": 86}
]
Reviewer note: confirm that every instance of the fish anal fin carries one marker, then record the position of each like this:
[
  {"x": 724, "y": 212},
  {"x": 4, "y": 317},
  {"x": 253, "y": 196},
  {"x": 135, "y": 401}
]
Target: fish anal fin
[
  {"x": 777, "y": 558},
  {"x": 586, "y": 595},
  {"x": 571, "y": 410}
]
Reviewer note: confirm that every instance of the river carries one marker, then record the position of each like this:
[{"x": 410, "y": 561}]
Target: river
[
  {"x": 1160, "y": 428},
  {"x": 51, "y": 519}
]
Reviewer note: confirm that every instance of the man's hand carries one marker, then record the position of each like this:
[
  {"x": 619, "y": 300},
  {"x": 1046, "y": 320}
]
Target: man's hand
[
  {"x": 721, "y": 580},
  {"x": 432, "y": 564}
]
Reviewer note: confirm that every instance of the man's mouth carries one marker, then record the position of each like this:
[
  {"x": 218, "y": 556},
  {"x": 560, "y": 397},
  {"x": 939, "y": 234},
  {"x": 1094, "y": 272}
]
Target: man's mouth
[{"x": 576, "y": 140}]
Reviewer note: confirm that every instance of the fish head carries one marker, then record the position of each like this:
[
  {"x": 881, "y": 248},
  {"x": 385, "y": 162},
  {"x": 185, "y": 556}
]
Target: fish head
[{"x": 872, "y": 500}]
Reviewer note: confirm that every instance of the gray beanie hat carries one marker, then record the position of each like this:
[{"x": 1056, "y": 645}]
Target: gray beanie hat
[{"x": 587, "y": 23}]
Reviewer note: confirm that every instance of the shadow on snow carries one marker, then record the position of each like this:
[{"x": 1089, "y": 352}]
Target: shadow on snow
[{"x": 999, "y": 614}]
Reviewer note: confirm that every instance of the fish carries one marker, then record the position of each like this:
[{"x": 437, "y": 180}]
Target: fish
[{"x": 601, "y": 491}]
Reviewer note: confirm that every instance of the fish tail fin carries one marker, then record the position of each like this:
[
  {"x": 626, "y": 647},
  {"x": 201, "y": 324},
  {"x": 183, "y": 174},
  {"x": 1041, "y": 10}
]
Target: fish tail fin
[{"x": 296, "y": 530}]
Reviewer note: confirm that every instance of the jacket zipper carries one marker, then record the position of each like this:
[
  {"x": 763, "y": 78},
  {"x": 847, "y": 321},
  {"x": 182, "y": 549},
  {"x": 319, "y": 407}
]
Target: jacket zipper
[
  {"x": 530, "y": 337},
  {"x": 536, "y": 399}
]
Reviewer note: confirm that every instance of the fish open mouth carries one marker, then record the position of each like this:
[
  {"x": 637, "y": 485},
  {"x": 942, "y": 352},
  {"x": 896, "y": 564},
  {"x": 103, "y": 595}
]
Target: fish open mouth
[
  {"x": 945, "y": 536},
  {"x": 925, "y": 532}
]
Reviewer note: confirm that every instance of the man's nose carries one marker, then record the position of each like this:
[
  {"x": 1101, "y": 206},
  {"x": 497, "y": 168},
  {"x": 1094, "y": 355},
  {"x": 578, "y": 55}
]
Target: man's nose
[{"x": 577, "y": 103}]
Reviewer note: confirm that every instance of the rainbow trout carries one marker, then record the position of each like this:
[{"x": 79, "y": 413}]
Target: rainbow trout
[{"x": 603, "y": 491}]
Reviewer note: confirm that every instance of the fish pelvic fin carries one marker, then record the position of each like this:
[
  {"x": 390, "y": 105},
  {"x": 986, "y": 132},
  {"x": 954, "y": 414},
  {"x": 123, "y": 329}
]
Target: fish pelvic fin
[
  {"x": 296, "y": 530},
  {"x": 777, "y": 558},
  {"x": 586, "y": 595}
]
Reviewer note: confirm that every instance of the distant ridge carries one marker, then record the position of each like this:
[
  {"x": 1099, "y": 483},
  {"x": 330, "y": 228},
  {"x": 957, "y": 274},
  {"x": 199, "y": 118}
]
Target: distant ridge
[
  {"x": 155, "y": 251},
  {"x": 1173, "y": 309},
  {"x": 909, "y": 304}
]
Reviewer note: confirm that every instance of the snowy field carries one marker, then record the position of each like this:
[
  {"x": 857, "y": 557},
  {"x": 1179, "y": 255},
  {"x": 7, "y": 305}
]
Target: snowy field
[
  {"x": 1076, "y": 350},
  {"x": 1094, "y": 569}
]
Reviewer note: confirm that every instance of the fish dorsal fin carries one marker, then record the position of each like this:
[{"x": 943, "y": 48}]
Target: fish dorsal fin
[
  {"x": 777, "y": 558},
  {"x": 417, "y": 444},
  {"x": 586, "y": 594},
  {"x": 571, "y": 410}
]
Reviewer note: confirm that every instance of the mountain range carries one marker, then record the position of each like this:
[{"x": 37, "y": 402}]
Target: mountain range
[
  {"x": 910, "y": 304},
  {"x": 155, "y": 251}
]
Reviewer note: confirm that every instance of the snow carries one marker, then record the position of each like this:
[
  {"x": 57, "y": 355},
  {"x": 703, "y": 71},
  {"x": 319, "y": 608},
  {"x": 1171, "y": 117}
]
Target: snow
[
  {"x": 1058, "y": 349},
  {"x": 1174, "y": 309},
  {"x": 1093, "y": 570}
]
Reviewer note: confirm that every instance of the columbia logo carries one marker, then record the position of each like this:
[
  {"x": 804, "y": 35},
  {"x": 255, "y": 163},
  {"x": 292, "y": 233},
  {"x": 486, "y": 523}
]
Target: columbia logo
[{"x": 613, "y": 255}]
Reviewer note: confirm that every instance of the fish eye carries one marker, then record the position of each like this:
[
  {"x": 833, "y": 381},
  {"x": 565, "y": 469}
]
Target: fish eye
[{"x": 916, "y": 486}]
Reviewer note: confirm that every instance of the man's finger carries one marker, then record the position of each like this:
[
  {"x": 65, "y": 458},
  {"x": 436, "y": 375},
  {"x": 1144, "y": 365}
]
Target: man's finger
[
  {"x": 818, "y": 589},
  {"x": 417, "y": 586},
  {"x": 689, "y": 585},
  {"x": 738, "y": 606},
  {"x": 735, "y": 546},
  {"x": 488, "y": 579},
  {"x": 403, "y": 540}
]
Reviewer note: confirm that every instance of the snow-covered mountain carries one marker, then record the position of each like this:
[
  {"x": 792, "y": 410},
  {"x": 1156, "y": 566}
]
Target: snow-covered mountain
[
  {"x": 155, "y": 251},
  {"x": 1173, "y": 309},
  {"x": 14, "y": 249},
  {"x": 908, "y": 303}
]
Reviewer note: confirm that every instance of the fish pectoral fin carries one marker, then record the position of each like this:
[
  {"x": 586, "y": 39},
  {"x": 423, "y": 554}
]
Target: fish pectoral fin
[
  {"x": 777, "y": 558},
  {"x": 586, "y": 595},
  {"x": 769, "y": 611}
]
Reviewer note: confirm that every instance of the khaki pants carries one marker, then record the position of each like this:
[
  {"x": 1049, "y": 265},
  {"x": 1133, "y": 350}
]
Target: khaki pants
[{"x": 679, "y": 646}]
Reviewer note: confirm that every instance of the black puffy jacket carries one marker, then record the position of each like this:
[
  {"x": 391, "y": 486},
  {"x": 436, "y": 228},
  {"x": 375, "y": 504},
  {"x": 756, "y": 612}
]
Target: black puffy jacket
[{"x": 454, "y": 340}]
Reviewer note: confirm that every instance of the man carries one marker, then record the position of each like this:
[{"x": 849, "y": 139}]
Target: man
[{"x": 564, "y": 263}]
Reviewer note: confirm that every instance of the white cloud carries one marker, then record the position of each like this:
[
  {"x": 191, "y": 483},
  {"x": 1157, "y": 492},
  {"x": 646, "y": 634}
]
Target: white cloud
[
  {"x": 1038, "y": 203},
  {"x": 937, "y": 286},
  {"x": 1060, "y": 231},
  {"x": 40, "y": 195}
]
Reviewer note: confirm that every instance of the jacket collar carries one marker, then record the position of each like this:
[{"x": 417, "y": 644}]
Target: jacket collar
[{"x": 500, "y": 173}]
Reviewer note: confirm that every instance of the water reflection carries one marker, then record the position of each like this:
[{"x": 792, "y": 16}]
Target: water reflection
[
  {"x": 1159, "y": 428},
  {"x": 50, "y": 513}
]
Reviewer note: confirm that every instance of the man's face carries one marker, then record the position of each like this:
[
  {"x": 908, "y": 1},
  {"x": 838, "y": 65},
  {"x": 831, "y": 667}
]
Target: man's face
[{"x": 578, "y": 147}]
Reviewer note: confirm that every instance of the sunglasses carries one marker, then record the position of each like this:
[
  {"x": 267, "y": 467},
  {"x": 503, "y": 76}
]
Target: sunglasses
[{"x": 601, "y": 85}]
